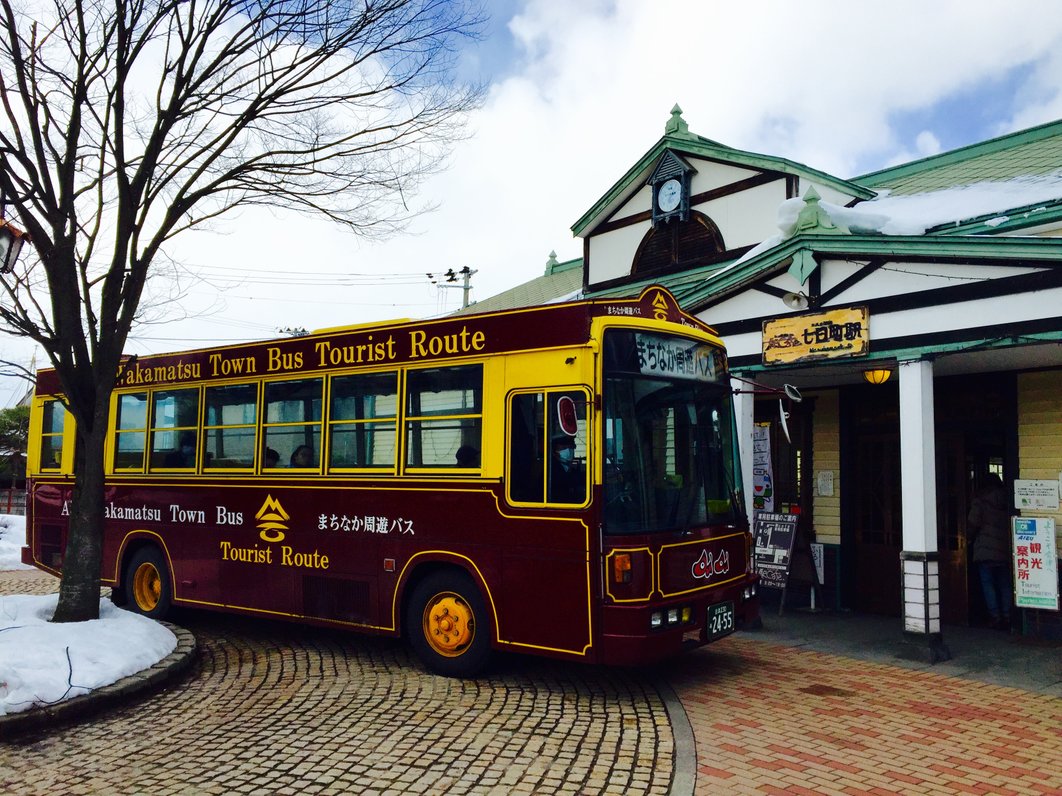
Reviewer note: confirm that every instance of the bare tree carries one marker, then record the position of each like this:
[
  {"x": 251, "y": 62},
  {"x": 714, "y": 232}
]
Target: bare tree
[{"x": 128, "y": 122}]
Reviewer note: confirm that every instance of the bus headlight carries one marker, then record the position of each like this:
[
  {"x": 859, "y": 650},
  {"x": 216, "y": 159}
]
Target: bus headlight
[
  {"x": 656, "y": 620},
  {"x": 672, "y": 616}
]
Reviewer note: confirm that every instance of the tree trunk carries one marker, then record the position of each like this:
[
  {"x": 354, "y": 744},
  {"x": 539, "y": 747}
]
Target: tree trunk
[{"x": 79, "y": 589}]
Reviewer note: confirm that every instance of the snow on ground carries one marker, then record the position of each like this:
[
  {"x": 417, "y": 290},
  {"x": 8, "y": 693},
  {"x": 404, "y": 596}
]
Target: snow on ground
[
  {"x": 12, "y": 538},
  {"x": 42, "y": 663}
]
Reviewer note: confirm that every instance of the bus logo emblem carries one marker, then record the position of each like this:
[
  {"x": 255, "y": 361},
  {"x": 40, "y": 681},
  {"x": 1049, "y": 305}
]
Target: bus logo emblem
[
  {"x": 273, "y": 517},
  {"x": 705, "y": 567},
  {"x": 660, "y": 307}
]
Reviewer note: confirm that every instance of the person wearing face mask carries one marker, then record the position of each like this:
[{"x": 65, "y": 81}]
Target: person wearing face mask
[{"x": 567, "y": 483}]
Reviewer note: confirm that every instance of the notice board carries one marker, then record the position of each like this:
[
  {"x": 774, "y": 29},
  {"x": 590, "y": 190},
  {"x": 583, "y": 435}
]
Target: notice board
[{"x": 774, "y": 547}]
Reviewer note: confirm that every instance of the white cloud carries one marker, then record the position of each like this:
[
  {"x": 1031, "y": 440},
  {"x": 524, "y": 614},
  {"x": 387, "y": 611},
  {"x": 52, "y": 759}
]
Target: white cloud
[{"x": 590, "y": 91}]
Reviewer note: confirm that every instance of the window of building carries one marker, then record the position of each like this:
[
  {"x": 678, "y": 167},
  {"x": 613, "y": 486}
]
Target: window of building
[
  {"x": 292, "y": 422},
  {"x": 54, "y": 419},
  {"x": 444, "y": 415},
  {"x": 679, "y": 244},
  {"x": 229, "y": 424},
  {"x": 362, "y": 422},
  {"x": 130, "y": 426},
  {"x": 174, "y": 429}
]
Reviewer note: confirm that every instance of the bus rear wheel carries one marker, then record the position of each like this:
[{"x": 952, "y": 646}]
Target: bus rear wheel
[
  {"x": 147, "y": 583},
  {"x": 448, "y": 625}
]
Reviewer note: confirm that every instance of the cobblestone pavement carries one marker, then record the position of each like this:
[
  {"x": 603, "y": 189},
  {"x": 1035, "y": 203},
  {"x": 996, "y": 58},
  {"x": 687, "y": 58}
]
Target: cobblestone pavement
[
  {"x": 276, "y": 708},
  {"x": 769, "y": 719},
  {"x": 273, "y": 708}
]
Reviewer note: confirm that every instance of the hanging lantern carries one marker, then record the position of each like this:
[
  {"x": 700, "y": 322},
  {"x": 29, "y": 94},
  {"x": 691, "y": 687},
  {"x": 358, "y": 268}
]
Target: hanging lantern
[{"x": 877, "y": 375}]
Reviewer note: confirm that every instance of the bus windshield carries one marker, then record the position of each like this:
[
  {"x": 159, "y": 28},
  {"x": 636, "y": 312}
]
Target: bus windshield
[{"x": 670, "y": 451}]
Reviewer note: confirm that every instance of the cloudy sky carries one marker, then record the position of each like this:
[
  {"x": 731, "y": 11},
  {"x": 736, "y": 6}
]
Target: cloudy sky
[{"x": 578, "y": 91}]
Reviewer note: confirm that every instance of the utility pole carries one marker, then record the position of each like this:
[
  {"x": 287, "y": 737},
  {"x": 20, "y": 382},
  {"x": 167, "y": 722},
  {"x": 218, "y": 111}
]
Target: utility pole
[{"x": 451, "y": 276}]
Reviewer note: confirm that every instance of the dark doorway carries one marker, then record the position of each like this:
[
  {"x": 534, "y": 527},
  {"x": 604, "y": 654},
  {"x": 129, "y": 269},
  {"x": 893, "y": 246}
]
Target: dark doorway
[
  {"x": 872, "y": 536},
  {"x": 976, "y": 434},
  {"x": 976, "y": 420}
]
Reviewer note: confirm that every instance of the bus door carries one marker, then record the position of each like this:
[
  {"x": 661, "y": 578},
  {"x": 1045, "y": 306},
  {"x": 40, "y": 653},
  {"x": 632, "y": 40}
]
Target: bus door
[{"x": 548, "y": 485}]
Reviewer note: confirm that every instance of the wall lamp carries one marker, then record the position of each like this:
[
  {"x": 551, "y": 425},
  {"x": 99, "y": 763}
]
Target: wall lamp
[
  {"x": 877, "y": 375},
  {"x": 11, "y": 240}
]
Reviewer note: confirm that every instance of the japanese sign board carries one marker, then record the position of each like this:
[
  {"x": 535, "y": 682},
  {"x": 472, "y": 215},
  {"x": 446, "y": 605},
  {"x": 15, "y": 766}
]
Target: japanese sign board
[
  {"x": 1036, "y": 494},
  {"x": 826, "y": 335},
  {"x": 1035, "y": 563},
  {"x": 774, "y": 547}
]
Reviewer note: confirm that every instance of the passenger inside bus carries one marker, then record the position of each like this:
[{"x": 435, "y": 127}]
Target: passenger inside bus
[
  {"x": 272, "y": 458},
  {"x": 467, "y": 456},
  {"x": 184, "y": 456},
  {"x": 567, "y": 481},
  {"x": 302, "y": 456}
]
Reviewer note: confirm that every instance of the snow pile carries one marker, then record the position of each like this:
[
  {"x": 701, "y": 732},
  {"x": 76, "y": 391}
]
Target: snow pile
[
  {"x": 42, "y": 663},
  {"x": 915, "y": 213},
  {"x": 12, "y": 540}
]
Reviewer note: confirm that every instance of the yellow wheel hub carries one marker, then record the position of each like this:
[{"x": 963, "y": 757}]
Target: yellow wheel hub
[
  {"x": 449, "y": 624},
  {"x": 147, "y": 586}
]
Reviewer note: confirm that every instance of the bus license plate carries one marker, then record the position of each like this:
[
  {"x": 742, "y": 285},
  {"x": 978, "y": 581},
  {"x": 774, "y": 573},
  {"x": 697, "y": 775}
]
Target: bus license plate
[{"x": 720, "y": 619}]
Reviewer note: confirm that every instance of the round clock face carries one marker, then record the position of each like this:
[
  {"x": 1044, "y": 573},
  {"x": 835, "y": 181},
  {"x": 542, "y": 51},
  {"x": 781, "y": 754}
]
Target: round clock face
[{"x": 668, "y": 196}]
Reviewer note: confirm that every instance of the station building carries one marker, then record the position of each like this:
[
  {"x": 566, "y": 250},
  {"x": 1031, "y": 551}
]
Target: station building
[{"x": 917, "y": 309}]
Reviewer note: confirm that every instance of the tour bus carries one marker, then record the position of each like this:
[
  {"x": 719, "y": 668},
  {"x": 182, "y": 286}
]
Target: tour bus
[{"x": 560, "y": 480}]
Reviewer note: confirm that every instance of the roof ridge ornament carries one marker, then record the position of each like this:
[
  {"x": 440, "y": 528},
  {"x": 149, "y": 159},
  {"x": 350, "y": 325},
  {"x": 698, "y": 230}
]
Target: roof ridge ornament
[
  {"x": 676, "y": 125},
  {"x": 815, "y": 219}
]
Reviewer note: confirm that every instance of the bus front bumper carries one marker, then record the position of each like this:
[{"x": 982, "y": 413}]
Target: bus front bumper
[{"x": 629, "y": 638}]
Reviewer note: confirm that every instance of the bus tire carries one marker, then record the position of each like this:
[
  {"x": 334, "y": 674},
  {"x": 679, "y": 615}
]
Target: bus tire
[
  {"x": 448, "y": 624},
  {"x": 147, "y": 583}
]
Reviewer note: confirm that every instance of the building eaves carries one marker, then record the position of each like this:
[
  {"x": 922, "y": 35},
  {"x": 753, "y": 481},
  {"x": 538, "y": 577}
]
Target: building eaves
[
  {"x": 742, "y": 274},
  {"x": 1034, "y": 215},
  {"x": 698, "y": 146}
]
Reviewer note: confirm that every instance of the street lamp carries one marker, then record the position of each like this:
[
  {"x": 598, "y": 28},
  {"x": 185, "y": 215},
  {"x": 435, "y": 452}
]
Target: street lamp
[{"x": 11, "y": 240}]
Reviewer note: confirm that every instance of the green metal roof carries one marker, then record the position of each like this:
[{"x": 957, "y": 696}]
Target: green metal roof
[
  {"x": 678, "y": 139},
  {"x": 1035, "y": 151},
  {"x": 727, "y": 281},
  {"x": 560, "y": 279}
]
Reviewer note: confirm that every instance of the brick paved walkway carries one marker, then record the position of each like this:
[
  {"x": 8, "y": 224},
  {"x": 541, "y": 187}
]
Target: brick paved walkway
[{"x": 770, "y": 719}]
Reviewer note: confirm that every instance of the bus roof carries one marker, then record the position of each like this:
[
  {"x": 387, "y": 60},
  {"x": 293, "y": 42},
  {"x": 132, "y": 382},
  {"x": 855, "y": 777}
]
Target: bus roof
[{"x": 398, "y": 342}]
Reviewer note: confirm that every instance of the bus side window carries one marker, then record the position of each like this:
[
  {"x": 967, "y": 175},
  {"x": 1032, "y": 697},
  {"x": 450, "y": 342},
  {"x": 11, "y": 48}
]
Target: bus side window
[
  {"x": 229, "y": 426},
  {"x": 130, "y": 426},
  {"x": 52, "y": 422},
  {"x": 292, "y": 422},
  {"x": 361, "y": 421},
  {"x": 526, "y": 450},
  {"x": 444, "y": 413},
  {"x": 174, "y": 429}
]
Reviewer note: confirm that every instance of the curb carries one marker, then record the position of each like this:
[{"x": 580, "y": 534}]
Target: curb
[
  {"x": 684, "y": 767},
  {"x": 166, "y": 670}
]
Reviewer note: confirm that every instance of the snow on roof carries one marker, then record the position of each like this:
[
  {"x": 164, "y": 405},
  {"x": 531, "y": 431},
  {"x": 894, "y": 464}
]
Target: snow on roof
[{"x": 913, "y": 214}]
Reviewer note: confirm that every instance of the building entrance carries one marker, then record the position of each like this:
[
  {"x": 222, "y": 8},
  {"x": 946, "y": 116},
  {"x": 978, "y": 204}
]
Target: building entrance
[
  {"x": 976, "y": 435},
  {"x": 976, "y": 419}
]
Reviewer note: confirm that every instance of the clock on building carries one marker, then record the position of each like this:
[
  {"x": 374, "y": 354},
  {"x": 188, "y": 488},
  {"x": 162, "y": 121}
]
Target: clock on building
[{"x": 670, "y": 182}]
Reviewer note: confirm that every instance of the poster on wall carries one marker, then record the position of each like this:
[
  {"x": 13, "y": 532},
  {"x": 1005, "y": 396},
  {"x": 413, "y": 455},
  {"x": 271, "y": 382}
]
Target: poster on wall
[
  {"x": 762, "y": 477},
  {"x": 774, "y": 547},
  {"x": 1035, "y": 563}
]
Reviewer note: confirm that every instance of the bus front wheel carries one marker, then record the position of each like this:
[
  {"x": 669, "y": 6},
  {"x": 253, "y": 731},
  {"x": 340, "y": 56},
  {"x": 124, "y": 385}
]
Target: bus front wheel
[
  {"x": 448, "y": 625},
  {"x": 147, "y": 583}
]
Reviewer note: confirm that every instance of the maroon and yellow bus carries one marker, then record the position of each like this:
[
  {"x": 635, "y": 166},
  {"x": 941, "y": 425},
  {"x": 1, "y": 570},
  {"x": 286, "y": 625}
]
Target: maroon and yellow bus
[{"x": 560, "y": 480}]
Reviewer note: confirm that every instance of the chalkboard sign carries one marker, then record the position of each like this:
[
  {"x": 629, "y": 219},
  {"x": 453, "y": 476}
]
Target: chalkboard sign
[{"x": 774, "y": 547}]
